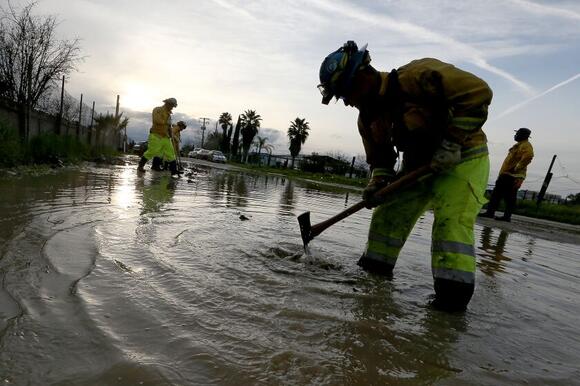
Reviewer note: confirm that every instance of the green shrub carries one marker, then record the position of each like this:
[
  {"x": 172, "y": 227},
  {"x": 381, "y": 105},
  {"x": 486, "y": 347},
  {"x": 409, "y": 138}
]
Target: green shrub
[
  {"x": 10, "y": 148},
  {"x": 49, "y": 147}
]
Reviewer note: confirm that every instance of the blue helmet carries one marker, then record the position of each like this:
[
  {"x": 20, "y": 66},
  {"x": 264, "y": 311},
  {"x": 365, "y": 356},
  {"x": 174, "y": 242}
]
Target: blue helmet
[{"x": 338, "y": 69}]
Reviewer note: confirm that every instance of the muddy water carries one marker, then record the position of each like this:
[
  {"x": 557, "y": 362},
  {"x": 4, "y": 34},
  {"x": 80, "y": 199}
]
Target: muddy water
[{"x": 109, "y": 278}]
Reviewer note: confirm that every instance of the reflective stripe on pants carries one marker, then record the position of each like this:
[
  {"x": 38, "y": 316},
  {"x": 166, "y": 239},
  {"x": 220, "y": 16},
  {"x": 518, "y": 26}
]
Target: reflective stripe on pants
[{"x": 456, "y": 197}]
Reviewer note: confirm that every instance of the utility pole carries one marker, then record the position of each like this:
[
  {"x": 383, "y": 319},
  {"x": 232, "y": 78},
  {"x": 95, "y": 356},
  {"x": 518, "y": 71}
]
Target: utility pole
[
  {"x": 91, "y": 124},
  {"x": 80, "y": 117},
  {"x": 125, "y": 131},
  {"x": 547, "y": 180},
  {"x": 59, "y": 118},
  {"x": 351, "y": 170},
  {"x": 203, "y": 129}
]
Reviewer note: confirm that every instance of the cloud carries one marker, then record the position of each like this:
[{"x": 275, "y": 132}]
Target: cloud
[
  {"x": 522, "y": 104},
  {"x": 231, "y": 7},
  {"x": 545, "y": 10},
  {"x": 469, "y": 53}
]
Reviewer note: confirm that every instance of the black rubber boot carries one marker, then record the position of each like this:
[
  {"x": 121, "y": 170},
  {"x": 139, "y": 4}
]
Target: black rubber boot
[
  {"x": 173, "y": 169},
  {"x": 156, "y": 164},
  {"x": 142, "y": 163},
  {"x": 375, "y": 266},
  {"x": 452, "y": 296}
]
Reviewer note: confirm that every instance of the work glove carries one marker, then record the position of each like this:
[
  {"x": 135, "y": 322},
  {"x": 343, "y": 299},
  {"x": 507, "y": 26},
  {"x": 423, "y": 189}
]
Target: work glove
[
  {"x": 380, "y": 178},
  {"x": 447, "y": 155}
]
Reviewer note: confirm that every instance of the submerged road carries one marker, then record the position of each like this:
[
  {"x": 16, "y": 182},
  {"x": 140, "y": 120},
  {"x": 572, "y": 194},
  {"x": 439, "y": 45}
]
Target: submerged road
[
  {"x": 113, "y": 278},
  {"x": 546, "y": 229}
]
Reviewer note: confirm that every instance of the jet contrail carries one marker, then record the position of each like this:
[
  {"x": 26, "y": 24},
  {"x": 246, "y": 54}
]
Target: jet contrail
[
  {"x": 471, "y": 54},
  {"x": 544, "y": 10},
  {"x": 519, "y": 105}
]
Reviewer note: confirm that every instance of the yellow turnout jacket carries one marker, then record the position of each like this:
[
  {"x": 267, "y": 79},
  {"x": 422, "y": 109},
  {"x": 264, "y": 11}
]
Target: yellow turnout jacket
[
  {"x": 519, "y": 157},
  {"x": 176, "y": 134},
  {"x": 161, "y": 121},
  {"x": 420, "y": 104}
]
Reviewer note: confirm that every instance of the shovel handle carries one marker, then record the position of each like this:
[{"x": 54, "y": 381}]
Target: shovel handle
[{"x": 400, "y": 183}]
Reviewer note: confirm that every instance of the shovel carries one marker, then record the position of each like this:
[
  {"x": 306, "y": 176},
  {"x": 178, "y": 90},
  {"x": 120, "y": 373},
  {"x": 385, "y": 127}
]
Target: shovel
[{"x": 309, "y": 232}]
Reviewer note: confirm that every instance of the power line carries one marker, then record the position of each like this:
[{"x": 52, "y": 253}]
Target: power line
[{"x": 566, "y": 174}]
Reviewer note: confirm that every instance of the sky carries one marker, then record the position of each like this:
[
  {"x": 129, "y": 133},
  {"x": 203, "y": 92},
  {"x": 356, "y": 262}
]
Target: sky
[{"x": 232, "y": 55}]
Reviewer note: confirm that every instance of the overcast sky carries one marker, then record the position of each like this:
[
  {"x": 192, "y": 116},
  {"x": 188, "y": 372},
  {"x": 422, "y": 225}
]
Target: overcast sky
[{"x": 233, "y": 55}]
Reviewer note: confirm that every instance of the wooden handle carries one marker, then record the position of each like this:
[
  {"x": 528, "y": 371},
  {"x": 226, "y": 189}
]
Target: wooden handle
[{"x": 402, "y": 182}]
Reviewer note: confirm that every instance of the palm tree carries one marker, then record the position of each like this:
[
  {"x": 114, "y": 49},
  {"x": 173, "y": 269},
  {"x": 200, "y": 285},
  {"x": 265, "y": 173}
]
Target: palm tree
[
  {"x": 225, "y": 121},
  {"x": 261, "y": 144},
  {"x": 236, "y": 139},
  {"x": 297, "y": 134},
  {"x": 108, "y": 128},
  {"x": 250, "y": 126}
]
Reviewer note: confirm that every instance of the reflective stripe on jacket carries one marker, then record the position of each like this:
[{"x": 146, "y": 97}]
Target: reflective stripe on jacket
[
  {"x": 519, "y": 157},
  {"x": 434, "y": 100},
  {"x": 161, "y": 121}
]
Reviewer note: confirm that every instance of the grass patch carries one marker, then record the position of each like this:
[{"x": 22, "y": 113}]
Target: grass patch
[
  {"x": 569, "y": 214},
  {"x": 292, "y": 173}
]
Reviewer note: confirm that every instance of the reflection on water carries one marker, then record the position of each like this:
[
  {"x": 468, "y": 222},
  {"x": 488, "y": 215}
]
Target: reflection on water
[
  {"x": 156, "y": 193},
  {"x": 495, "y": 261},
  {"x": 408, "y": 345},
  {"x": 170, "y": 286},
  {"x": 287, "y": 198}
]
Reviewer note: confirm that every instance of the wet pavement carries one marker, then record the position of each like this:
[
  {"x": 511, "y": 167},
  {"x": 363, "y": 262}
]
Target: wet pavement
[{"x": 110, "y": 278}]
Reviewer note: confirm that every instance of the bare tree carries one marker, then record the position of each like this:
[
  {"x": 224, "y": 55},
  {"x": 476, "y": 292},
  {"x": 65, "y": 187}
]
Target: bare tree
[
  {"x": 50, "y": 103},
  {"x": 32, "y": 59}
]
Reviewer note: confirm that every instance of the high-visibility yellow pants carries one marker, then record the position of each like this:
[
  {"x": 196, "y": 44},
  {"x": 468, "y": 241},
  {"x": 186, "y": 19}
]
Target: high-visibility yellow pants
[
  {"x": 456, "y": 197},
  {"x": 161, "y": 147}
]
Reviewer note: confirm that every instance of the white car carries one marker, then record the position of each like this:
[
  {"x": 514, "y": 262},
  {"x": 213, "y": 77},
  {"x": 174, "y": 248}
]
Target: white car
[
  {"x": 203, "y": 154},
  {"x": 217, "y": 156},
  {"x": 193, "y": 153}
]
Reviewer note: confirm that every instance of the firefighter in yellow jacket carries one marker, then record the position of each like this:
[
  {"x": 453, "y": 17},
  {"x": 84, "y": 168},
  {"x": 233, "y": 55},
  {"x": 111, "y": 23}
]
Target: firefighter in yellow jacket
[
  {"x": 159, "y": 142},
  {"x": 176, "y": 130},
  {"x": 511, "y": 176},
  {"x": 433, "y": 113}
]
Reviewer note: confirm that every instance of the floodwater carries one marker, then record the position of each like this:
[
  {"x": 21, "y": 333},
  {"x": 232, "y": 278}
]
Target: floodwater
[{"x": 108, "y": 278}]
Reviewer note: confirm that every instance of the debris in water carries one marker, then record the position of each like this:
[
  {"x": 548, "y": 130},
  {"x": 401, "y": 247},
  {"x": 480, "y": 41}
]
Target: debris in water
[{"x": 243, "y": 218}]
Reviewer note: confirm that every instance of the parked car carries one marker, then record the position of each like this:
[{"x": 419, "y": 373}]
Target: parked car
[
  {"x": 218, "y": 156},
  {"x": 203, "y": 154},
  {"x": 193, "y": 153},
  {"x": 140, "y": 148}
]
